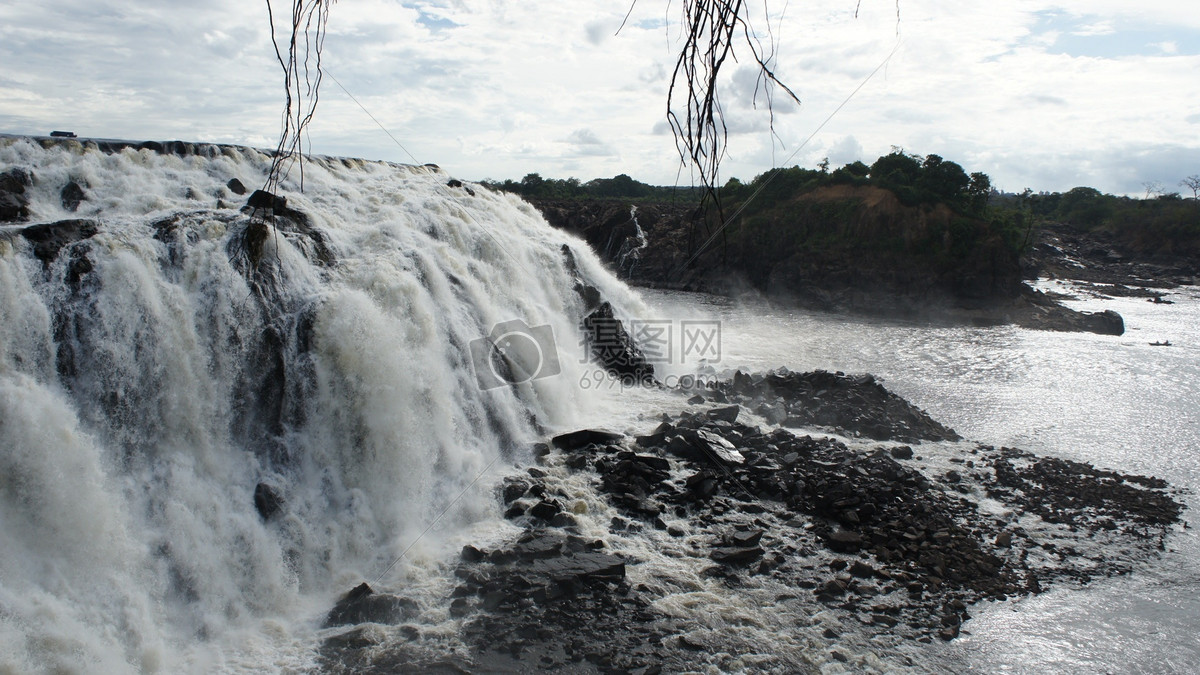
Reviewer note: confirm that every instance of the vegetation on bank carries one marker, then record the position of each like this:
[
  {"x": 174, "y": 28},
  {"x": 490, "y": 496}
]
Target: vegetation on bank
[
  {"x": 905, "y": 221},
  {"x": 1159, "y": 225},
  {"x": 937, "y": 214},
  {"x": 622, "y": 187}
]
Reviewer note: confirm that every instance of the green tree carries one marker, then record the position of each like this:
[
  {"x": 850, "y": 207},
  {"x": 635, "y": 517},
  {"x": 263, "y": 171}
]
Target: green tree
[
  {"x": 979, "y": 190},
  {"x": 942, "y": 180}
]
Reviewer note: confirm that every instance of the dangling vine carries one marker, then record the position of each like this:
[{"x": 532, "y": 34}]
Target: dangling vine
[{"x": 302, "y": 74}]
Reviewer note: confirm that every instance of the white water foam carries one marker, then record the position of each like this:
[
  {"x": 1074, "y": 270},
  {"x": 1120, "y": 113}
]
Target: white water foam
[{"x": 141, "y": 404}]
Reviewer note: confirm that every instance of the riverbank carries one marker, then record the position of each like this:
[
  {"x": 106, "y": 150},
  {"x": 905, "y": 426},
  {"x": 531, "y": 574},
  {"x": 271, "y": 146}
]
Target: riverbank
[
  {"x": 652, "y": 245},
  {"x": 880, "y": 539}
]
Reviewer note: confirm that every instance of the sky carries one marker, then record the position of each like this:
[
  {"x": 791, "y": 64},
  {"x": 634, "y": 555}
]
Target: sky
[{"x": 1044, "y": 95}]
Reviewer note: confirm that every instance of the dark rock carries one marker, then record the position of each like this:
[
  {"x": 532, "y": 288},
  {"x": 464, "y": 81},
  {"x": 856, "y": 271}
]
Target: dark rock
[
  {"x": 267, "y": 500},
  {"x": 746, "y": 538},
  {"x": 726, "y": 414},
  {"x": 1004, "y": 539},
  {"x": 471, "y": 554},
  {"x": 581, "y": 566},
  {"x": 262, "y": 200},
  {"x": 363, "y": 605},
  {"x": 902, "y": 452},
  {"x": 696, "y": 400},
  {"x": 50, "y": 238},
  {"x": 844, "y": 541},
  {"x": 832, "y": 587},
  {"x": 578, "y": 439},
  {"x": 459, "y": 607},
  {"x": 1107, "y": 322},
  {"x": 611, "y": 346},
  {"x": 14, "y": 203},
  {"x": 545, "y": 509},
  {"x": 71, "y": 196},
  {"x": 731, "y": 555},
  {"x": 857, "y": 405},
  {"x": 697, "y": 444},
  {"x": 514, "y": 489},
  {"x": 953, "y": 476},
  {"x": 861, "y": 569},
  {"x": 236, "y": 187}
]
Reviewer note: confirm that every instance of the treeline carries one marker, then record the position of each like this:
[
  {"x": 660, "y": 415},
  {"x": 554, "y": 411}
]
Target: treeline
[
  {"x": 1167, "y": 224},
  {"x": 904, "y": 222},
  {"x": 915, "y": 180},
  {"x": 533, "y": 186}
]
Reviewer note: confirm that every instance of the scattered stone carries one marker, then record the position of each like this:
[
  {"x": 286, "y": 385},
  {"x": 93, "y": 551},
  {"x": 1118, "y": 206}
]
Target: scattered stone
[
  {"x": 857, "y": 405},
  {"x": 726, "y": 414},
  {"x": 584, "y": 437},
  {"x": 363, "y": 605},
  {"x": 471, "y": 554},
  {"x": 907, "y": 556},
  {"x": 612, "y": 347},
  {"x": 50, "y": 238},
  {"x": 71, "y": 196},
  {"x": 545, "y": 509},
  {"x": 236, "y": 187},
  {"x": 730, "y": 555},
  {"x": 861, "y": 569},
  {"x": 844, "y": 541},
  {"x": 14, "y": 203},
  {"x": 267, "y": 500},
  {"x": 261, "y": 200}
]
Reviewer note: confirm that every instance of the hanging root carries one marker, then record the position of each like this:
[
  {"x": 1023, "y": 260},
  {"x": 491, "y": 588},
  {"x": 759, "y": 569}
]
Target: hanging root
[{"x": 302, "y": 74}]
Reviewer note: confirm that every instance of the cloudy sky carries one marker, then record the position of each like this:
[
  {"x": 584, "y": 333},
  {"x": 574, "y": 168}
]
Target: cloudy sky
[{"x": 1047, "y": 95}]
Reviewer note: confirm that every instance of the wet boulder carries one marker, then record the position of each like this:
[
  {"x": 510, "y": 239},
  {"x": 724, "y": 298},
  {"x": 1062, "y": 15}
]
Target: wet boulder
[
  {"x": 14, "y": 203},
  {"x": 699, "y": 444},
  {"x": 267, "y": 501},
  {"x": 579, "y": 439},
  {"x": 50, "y": 238},
  {"x": 363, "y": 605},
  {"x": 612, "y": 347},
  {"x": 72, "y": 196},
  {"x": 261, "y": 200}
]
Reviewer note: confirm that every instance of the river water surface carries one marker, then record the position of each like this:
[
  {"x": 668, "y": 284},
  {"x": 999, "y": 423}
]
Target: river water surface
[{"x": 1116, "y": 402}]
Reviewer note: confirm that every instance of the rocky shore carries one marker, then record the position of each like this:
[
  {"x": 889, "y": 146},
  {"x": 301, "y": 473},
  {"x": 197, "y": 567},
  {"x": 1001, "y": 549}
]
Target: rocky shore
[
  {"x": 870, "y": 539},
  {"x": 1104, "y": 266},
  {"x": 652, "y": 245}
]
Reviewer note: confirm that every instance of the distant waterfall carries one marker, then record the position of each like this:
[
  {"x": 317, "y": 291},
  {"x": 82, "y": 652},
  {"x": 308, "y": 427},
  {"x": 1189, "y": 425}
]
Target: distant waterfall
[
  {"x": 631, "y": 249},
  {"x": 152, "y": 374}
]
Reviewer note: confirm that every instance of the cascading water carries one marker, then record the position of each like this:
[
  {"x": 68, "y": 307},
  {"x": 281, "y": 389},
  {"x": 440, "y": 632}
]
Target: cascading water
[
  {"x": 154, "y": 373},
  {"x": 631, "y": 249}
]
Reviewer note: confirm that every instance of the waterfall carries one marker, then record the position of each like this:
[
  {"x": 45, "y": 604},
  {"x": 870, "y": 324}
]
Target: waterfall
[
  {"x": 631, "y": 249},
  {"x": 154, "y": 373}
]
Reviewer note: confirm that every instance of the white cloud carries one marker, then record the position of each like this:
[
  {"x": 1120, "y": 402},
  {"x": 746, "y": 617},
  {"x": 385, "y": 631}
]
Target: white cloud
[{"x": 500, "y": 89}]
